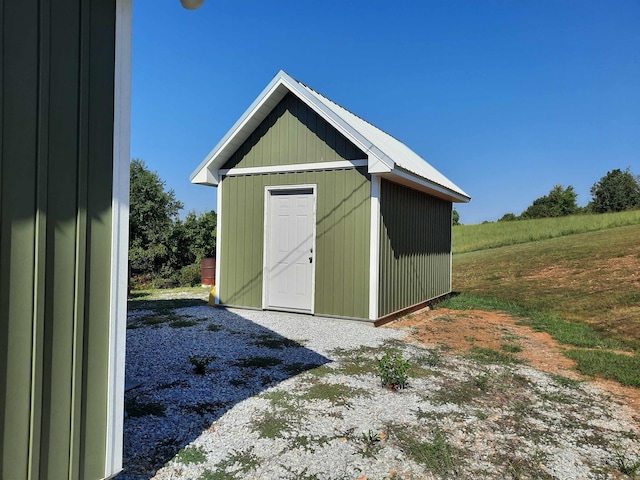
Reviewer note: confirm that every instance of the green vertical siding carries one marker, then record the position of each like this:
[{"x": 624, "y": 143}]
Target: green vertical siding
[
  {"x": 56, "y": 165},
  {"x": 293, "y": 133},
  {"x": 342, "y": 244},
  {"x": 415, "y": 247}
]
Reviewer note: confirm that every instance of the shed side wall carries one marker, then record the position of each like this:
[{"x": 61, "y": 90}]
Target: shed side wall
[
  {"x": 56, "y": 166},
  {"x": 293, "y": 133},
  {"x": 342, "y": 246},
  {"x": 415, "y": 247}
]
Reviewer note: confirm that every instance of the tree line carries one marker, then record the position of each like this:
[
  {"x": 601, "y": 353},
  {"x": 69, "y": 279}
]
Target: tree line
[
  {"x": 617, "y": 191},
  {"x": 165, "y": 250}
]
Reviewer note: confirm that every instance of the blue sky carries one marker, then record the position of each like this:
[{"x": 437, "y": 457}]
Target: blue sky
[{"x": 506, "y": 98}]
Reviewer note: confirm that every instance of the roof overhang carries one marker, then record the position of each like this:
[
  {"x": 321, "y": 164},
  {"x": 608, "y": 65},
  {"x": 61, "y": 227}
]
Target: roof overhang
[
  {"x": 208, "y": 172},
  {"x": 415, "y": 182},
  {"x": 378, "y": 162}
]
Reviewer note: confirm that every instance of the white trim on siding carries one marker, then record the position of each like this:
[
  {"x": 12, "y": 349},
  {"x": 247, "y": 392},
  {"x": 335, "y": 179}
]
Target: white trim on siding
[
  {"x": 119, "y": 238},
  {"x": 374, "y": 248},
  {"x": 216, "y": 298},
  {"x": 296, "y": 167}
]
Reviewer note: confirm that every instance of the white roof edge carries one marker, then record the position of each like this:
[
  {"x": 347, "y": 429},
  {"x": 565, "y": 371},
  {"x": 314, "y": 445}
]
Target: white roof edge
[
  {"x": 398, "y": 162},
  {"x": 419, "y": 183},
  {"x": 249, "y": 112}
]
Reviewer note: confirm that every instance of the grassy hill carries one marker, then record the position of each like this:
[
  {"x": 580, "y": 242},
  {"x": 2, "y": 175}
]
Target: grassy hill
[
  {"x": 469, "y": 238},
  {"x": 582, "y": 288}
]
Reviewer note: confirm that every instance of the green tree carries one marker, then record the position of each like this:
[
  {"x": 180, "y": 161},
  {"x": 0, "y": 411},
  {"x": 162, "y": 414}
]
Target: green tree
[
  {"x": 560, "y": 202},
  {"x": 456, "y": 217},
  {"x": 615, "y": 192},
  {"x": 153, "y": 212},
  {"x": 508, "y": 217},
  {"x": 193, "y": 239}
]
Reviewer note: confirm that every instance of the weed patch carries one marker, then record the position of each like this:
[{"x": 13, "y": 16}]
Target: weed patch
[
  {"x": 436, "y": 454},
  {"x": 489, "y": 355},
  {"x": 274, "y": 342},
  {"x": 136, "y": 408},
  {"x": 333, "y": 392},
  {"x": 236, "y": 466},
  {"x": 190, "y": 455},
  {"x": 258, "y": 362},
  {"x": 183, "y": 323},
  {"x": 200, "y": 363}
]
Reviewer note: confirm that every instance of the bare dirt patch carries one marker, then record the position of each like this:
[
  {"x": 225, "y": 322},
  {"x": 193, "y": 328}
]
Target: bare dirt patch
[{"x": 462, "y": 330}]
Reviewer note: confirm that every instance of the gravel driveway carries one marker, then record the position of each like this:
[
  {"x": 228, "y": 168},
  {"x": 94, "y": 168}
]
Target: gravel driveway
[{"x": 293, "y": 396}]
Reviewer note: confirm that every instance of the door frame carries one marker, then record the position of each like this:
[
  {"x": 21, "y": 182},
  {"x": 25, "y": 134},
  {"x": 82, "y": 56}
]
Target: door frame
[{"x": 265, "y": 246}]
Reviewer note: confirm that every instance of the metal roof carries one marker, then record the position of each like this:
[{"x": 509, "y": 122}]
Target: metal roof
[{"x": 387, "y": 156}]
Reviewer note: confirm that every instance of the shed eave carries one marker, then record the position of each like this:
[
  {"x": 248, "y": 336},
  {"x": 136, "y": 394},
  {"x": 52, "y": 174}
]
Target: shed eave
[{"x": 418, "y": 183}]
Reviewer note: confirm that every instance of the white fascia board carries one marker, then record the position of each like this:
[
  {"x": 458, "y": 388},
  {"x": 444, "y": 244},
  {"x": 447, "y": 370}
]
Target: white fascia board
[
  {"x": 294, "y": 167},
  {"x": 419, "y": 183},
  {"x": 206, "y": 177},
  {"x": 266, "y": 101}
]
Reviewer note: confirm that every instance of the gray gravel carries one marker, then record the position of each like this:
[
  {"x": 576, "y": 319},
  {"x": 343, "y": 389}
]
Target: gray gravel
[{"x": 322, "y": 413}]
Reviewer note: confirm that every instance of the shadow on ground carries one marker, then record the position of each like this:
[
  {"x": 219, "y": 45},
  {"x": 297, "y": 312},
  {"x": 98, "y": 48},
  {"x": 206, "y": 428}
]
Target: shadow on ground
[{"x": 168, "y": 404}]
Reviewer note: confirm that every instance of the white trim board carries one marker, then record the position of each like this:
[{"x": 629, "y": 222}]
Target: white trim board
[
  {"x": 374, "y": 248},
  {"x": 216, "y": 298},
  {"x": 295, "y": 167},
  {"x": 119, "y": 238}
]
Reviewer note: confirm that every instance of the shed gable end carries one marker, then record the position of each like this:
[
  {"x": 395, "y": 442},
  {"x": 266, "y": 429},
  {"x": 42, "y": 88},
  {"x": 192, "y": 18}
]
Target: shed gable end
[{"x": 292, "y": 134}]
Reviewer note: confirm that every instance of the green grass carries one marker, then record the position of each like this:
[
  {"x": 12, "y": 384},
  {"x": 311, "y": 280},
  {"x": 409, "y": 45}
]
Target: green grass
[
  {"x": 589, "y": 278},
  {"x": 436, "y": 454},
  {"x": 581, "y": 289},
  {"x": 488, "y": 356},
  {"x": 623, "y": 368},
  {"x": 469, "y": 238},
  {"x": 190, "y": 455}
]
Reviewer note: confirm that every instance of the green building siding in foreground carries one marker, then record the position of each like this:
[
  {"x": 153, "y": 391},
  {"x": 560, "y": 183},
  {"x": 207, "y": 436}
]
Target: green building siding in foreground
[
  {"x": 56, "y": 150},
  {"x": 415, "y": 247},
  {"x": 342, "y": 239},
  {"x": 293, "y": 133}
]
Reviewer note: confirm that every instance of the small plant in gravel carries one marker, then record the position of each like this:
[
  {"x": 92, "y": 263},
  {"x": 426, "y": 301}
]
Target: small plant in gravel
[
  {"x": 624, "y": 464},
  {"x": 214, "y": 327},
  {"x": 393, "y": 370},
  {"x": 370, "y": 443},
  {"x": 201, "y": 362}
]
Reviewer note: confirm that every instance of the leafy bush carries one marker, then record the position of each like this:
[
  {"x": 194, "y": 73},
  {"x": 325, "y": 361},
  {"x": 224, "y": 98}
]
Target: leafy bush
[
  {"x": 190, "y": 275},
  {"x": 393, "y": 370}
]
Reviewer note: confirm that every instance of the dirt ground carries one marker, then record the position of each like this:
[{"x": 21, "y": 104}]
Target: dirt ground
[{"x": 460, "y": 331}]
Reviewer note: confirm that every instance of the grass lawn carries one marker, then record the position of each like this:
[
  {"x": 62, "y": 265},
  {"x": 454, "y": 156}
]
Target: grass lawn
[
  {"x": 469, "y": 238},
  {"x": 592, "y": 277},
  {"x": 583, "y": 289}
]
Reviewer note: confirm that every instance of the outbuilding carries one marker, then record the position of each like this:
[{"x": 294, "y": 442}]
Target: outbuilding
[{"x": 321, "y": 212}]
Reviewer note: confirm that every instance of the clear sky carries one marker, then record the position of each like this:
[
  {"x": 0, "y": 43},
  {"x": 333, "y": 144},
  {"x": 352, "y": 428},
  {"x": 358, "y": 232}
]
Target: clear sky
[{"x": 506, "y": 98}]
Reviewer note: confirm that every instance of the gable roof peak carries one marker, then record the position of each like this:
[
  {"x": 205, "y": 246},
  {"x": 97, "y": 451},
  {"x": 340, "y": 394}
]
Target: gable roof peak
[{"x": 386, "y": 155}]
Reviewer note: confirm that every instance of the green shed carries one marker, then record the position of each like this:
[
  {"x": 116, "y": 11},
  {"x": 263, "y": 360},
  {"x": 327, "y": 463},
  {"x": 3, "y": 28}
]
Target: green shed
[{"x": 321, "y": 212}]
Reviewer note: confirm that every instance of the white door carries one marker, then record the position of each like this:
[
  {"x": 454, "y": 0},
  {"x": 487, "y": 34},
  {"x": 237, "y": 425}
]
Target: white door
[{"x": 289, "y": 249}]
